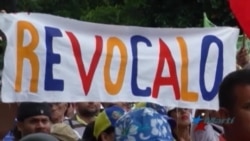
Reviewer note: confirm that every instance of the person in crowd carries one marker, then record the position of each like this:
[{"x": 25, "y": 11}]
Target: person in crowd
[
  {"x": 58, "y": 111},
  {"x": 7, "y": 116},
  {"x": 212, "y": 131},
  {"x": 64, "y": 132},
  {"x": 9, "y": 110},
  {"x": 143, "y": 124},
  {"x": 234, "y": 97},
  {"x": 127, "y": 106},
  {"x": 33, "y": 118},
  {"x": 242, "y": 57},
  {"x": 103, "y": 128},
  {"x": 88, "y": 134},
  {"x": 70, "y": 112},
  {"x": 183, "y": 123},
  {"x": 104, "y": 125},
  {"x": 39, "y": 137},
  {"x": 86, "y": 112},
  {"x": 160, "y": 109}
]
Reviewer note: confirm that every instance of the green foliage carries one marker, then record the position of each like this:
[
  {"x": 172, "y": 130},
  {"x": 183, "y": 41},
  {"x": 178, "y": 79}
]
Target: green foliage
[
  {"x": 150, "y": 13},
  {"x": 219, "y": 12}
]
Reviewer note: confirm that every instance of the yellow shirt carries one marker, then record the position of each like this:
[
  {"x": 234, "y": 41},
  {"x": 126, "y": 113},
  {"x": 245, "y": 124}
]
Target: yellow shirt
[{"x": 80, "y": 120}]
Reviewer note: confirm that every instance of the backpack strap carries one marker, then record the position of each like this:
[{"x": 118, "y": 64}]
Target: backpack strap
[
  {"x": 217, "y": 129},
  {"x": 75, "y": 125}
]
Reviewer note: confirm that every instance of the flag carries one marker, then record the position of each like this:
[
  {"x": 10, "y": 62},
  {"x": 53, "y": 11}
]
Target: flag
[{"x": 208, "y": 23}]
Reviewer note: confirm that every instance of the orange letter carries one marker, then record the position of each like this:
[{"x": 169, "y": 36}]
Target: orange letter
[
  {"x": 185, "y": 95},
  {"x": 114, "y": 88},
  {"x": 27, "y": 52}
]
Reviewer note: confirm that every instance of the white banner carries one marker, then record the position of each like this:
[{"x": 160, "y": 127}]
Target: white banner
[{"x": 55, "y": 59}]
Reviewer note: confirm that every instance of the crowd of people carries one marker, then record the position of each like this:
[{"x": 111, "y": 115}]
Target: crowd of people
[
  {"x": 115, "y": 121},
  {"x": 142, "y": 121}
]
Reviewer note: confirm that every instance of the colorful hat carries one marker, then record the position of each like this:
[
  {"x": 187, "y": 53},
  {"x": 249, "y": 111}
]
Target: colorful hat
[
  {"x": 143, "y": 124},
  {"x": 160, "y": 109},
  {"x": 107, "y": 118}
]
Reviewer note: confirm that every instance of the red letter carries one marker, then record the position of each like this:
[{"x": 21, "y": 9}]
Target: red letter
[
  {"x": 165, "y": 54},
  {"x": 86, "y": 78}
]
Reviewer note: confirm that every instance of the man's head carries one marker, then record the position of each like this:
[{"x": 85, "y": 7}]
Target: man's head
[
  {"x": 234, "y": 100},
  {"x": 34, "y": 118},
  {"x": 181, "y": 117},
  {"x": 88, "y": 109},
  {"x": 58, "y": 112}
]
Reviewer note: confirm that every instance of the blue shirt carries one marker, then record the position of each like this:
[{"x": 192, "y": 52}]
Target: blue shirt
[{"x": 9, "y": 137}]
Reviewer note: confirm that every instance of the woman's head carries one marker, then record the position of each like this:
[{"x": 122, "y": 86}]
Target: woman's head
[
  {"x": 57, "y": 112},
  {"x": 181, "y": 116}
]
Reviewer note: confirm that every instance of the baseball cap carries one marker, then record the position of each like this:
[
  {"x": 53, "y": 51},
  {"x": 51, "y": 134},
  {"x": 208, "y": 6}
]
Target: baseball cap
[
  {"x": 107, "y": 118},
  {"x": 30, "y": 109},
  {"x": 143, "y": 124}
]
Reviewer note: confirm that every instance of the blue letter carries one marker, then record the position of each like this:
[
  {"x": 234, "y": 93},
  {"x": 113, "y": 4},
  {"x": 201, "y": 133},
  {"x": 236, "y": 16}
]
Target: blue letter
[
  {"x": 207, "y": 41},
  {"x": 51, "y": 58},
  {"x": 135, "y": 90}
]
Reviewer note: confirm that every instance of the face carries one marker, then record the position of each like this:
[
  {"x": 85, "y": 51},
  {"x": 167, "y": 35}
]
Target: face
[
  {"x": 240, "y": 127},
  {"x": 58, "y": 111},
  {"x": 70, "y": 110},
  {"x": 88, "y": 108},
  {"x": 35, "y": 124},
  {"x": 107, "y": 137},
  {"x": 181, "y": 116}
]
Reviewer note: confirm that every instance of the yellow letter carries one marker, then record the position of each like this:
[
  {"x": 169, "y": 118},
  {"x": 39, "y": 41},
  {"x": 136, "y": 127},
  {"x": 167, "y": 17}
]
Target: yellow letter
[
  {"x": 185, "y": 95},
  {"x": 114, "y": 88},
  {"x": 27, "y": 52}
]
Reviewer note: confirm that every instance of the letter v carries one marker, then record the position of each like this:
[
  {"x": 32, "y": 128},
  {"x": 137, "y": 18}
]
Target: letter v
[{"x": 86, "y": 78}]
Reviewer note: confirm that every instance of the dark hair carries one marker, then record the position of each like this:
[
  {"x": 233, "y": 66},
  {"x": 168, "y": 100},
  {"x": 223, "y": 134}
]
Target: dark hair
[
  {"x": 88, "y": 134},
  {"x": 226, "y": 92},
  {"x": 109, "y": 130}
]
